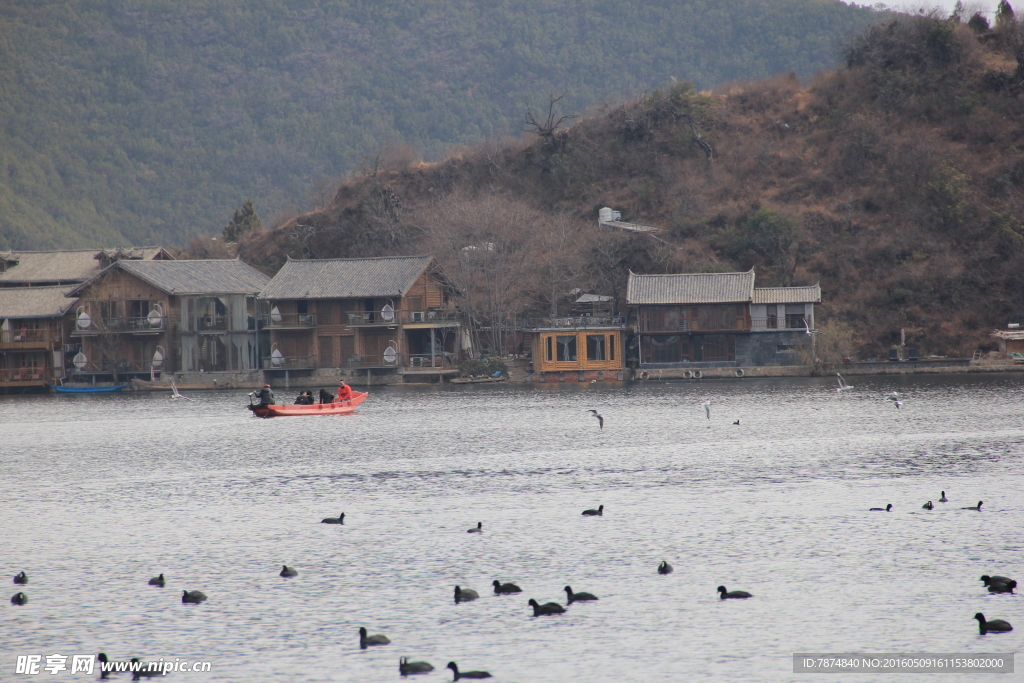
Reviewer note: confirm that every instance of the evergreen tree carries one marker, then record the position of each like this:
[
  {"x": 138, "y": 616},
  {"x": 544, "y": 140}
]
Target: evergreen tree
[
  {"x": 246, "y": 220},
  {"x": 1004, "y": 13}
]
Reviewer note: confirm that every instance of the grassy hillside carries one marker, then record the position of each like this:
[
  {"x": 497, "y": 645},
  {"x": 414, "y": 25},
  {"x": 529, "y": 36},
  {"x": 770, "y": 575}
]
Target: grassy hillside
[
  {"x": 142, "y": 121},
  {"x": 896, "y": 181}
]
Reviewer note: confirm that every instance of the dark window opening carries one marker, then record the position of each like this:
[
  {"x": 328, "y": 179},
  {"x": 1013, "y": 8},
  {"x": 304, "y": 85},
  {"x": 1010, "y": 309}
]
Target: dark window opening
[
  {"x": 794, "y": 317},
  {"x": 718, "y": 349}
]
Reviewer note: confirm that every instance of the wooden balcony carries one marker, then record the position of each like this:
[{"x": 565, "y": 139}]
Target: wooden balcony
[
  {"x": 577, "y": 322},
  {"x": 142, "y": 325},
  {"x": 378, "y": 361},
  {"x": 289, "y": 362},
  {"x": 431, "y": 318},
  {"x": 428, "y": 360},
  {"x": 25, "y": 339},
  {"x": 773, "y": 323},
  {"x": 121, "y": 367},
  {"x": 287, "y": 321},
  {"x": 25, "y": 377}
]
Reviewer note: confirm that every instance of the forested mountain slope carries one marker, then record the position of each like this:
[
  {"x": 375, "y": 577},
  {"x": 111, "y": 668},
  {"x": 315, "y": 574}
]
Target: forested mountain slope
[
  {"x": 144, "y": 121},
  {"x": 896, "y": 181}
]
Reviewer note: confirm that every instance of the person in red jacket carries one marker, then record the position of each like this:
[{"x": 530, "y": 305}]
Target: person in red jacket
[{"x": 344, "y": 391}]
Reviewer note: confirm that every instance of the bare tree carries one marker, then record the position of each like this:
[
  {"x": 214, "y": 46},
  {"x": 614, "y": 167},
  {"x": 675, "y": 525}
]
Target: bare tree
[
  {"x": 321, "y": 195},
  {"x": 546, "y": 129},
  {"x": 487, "y": 249},
  {"x": 561, "y": 258},
  {"x": 827, "y": 347}
]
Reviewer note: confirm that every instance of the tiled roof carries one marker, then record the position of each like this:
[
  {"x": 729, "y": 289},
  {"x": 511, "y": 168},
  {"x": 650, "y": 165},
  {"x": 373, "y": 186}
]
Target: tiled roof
[
  {"x": 690, "y": 288},
  {"x": 34, "y": 302},
  {"x": 787, "y": 295},
  {"x": 50, "y": 266},
  {"x": 194, "y": 278},
  {"x": 1008, "y": 335},
  {"x": 593, "y": 299},
  {"x": 346, "y": 278},
  {"x": 63, "y": 266},
  {"x": 134, "y": 253}
]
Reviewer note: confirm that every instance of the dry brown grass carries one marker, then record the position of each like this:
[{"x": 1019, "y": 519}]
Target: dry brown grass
[{"x": 902, "y": 174}]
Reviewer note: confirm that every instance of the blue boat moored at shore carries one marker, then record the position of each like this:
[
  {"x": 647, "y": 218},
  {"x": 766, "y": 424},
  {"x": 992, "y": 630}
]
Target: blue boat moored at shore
[{"x": 88, "y": 390}]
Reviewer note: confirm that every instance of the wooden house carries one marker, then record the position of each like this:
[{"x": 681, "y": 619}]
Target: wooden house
[
  {"x": 385, "y": 314},
  {"x": 32, "y": 338},
  {"x": 719, "y": 320},
  {"x": 1011, "y": 341},
  {"x": 577, "y": 347},
  {"x": 136, "y": 318}
]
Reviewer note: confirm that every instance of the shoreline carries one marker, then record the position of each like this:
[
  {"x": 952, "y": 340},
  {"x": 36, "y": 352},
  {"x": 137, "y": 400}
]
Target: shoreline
[{"x": 519, "y": 374}]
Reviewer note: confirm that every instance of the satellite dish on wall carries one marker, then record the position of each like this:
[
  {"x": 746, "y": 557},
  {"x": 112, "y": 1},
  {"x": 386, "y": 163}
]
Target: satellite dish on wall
[
  {"x": 80, "y": 360},
  {"x": 84, "y": 320}
]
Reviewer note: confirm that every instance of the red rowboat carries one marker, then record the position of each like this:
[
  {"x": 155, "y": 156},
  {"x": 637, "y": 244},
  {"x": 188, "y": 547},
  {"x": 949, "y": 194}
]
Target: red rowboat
[{"x": 335, "y": 408}]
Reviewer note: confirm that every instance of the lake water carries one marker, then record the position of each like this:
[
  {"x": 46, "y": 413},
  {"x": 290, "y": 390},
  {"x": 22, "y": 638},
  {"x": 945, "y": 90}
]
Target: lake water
[{"x": 98, "y": 494}]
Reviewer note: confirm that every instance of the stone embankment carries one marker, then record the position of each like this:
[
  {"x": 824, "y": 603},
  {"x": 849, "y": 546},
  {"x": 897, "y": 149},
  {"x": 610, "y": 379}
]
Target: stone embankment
[{"x": 519, "y": 371}]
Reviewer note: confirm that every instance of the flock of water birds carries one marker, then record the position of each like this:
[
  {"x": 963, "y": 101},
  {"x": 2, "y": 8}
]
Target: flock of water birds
[
  {"x": 706, "y": 405},
  {"x": 994, "y": 584}
]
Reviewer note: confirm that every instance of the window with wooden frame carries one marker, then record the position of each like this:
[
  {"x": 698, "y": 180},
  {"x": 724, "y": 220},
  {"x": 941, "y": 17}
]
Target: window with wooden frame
[
  {"x": 566, "y": 347},
  {"x": 716, "y": 348},
  {"x": 664, "y": 348}
]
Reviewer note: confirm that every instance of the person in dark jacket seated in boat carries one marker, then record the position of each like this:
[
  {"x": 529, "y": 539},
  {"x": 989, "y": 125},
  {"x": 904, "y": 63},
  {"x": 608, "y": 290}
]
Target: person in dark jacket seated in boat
[
  {"x": 266, "y": 396},
  {"x": 325, "y": 397},
  {"x": 304, "y": 399},
  {"x": 344, "y": 391}
]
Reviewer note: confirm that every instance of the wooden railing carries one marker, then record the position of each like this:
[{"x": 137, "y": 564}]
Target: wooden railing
[
  {"x": 403, "y": 317},
  {"x": 26, "y": 337},
  {"x": 141, "y": 324},
  {"x": 288, "y": 362},
  {"x": 576, "y": 322},
  {"x": 279, "y": 320},
  {"x": 127, "y": 367},
  {"x": 428, "y": 360},
  {"x": 376, "y": 361},
  {"x": 36, "y": 374},
  {"x": 778, "y": 323}
]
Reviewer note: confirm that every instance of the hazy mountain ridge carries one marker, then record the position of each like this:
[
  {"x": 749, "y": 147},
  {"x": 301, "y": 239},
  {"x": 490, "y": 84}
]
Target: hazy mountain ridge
[{"x": 142, "y": 122}]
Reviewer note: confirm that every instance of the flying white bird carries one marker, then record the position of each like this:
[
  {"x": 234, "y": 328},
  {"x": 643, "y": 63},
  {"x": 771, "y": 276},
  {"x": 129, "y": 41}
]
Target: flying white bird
[
  {"x": 893, "y": 396},
  {"x": 898, "y": 404},
  {"x": 175, "y": 394},
  {"x": 600, "y": 420},
  {"x": 707, "y": 407},
  {"x": 843, "y": 386}
]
